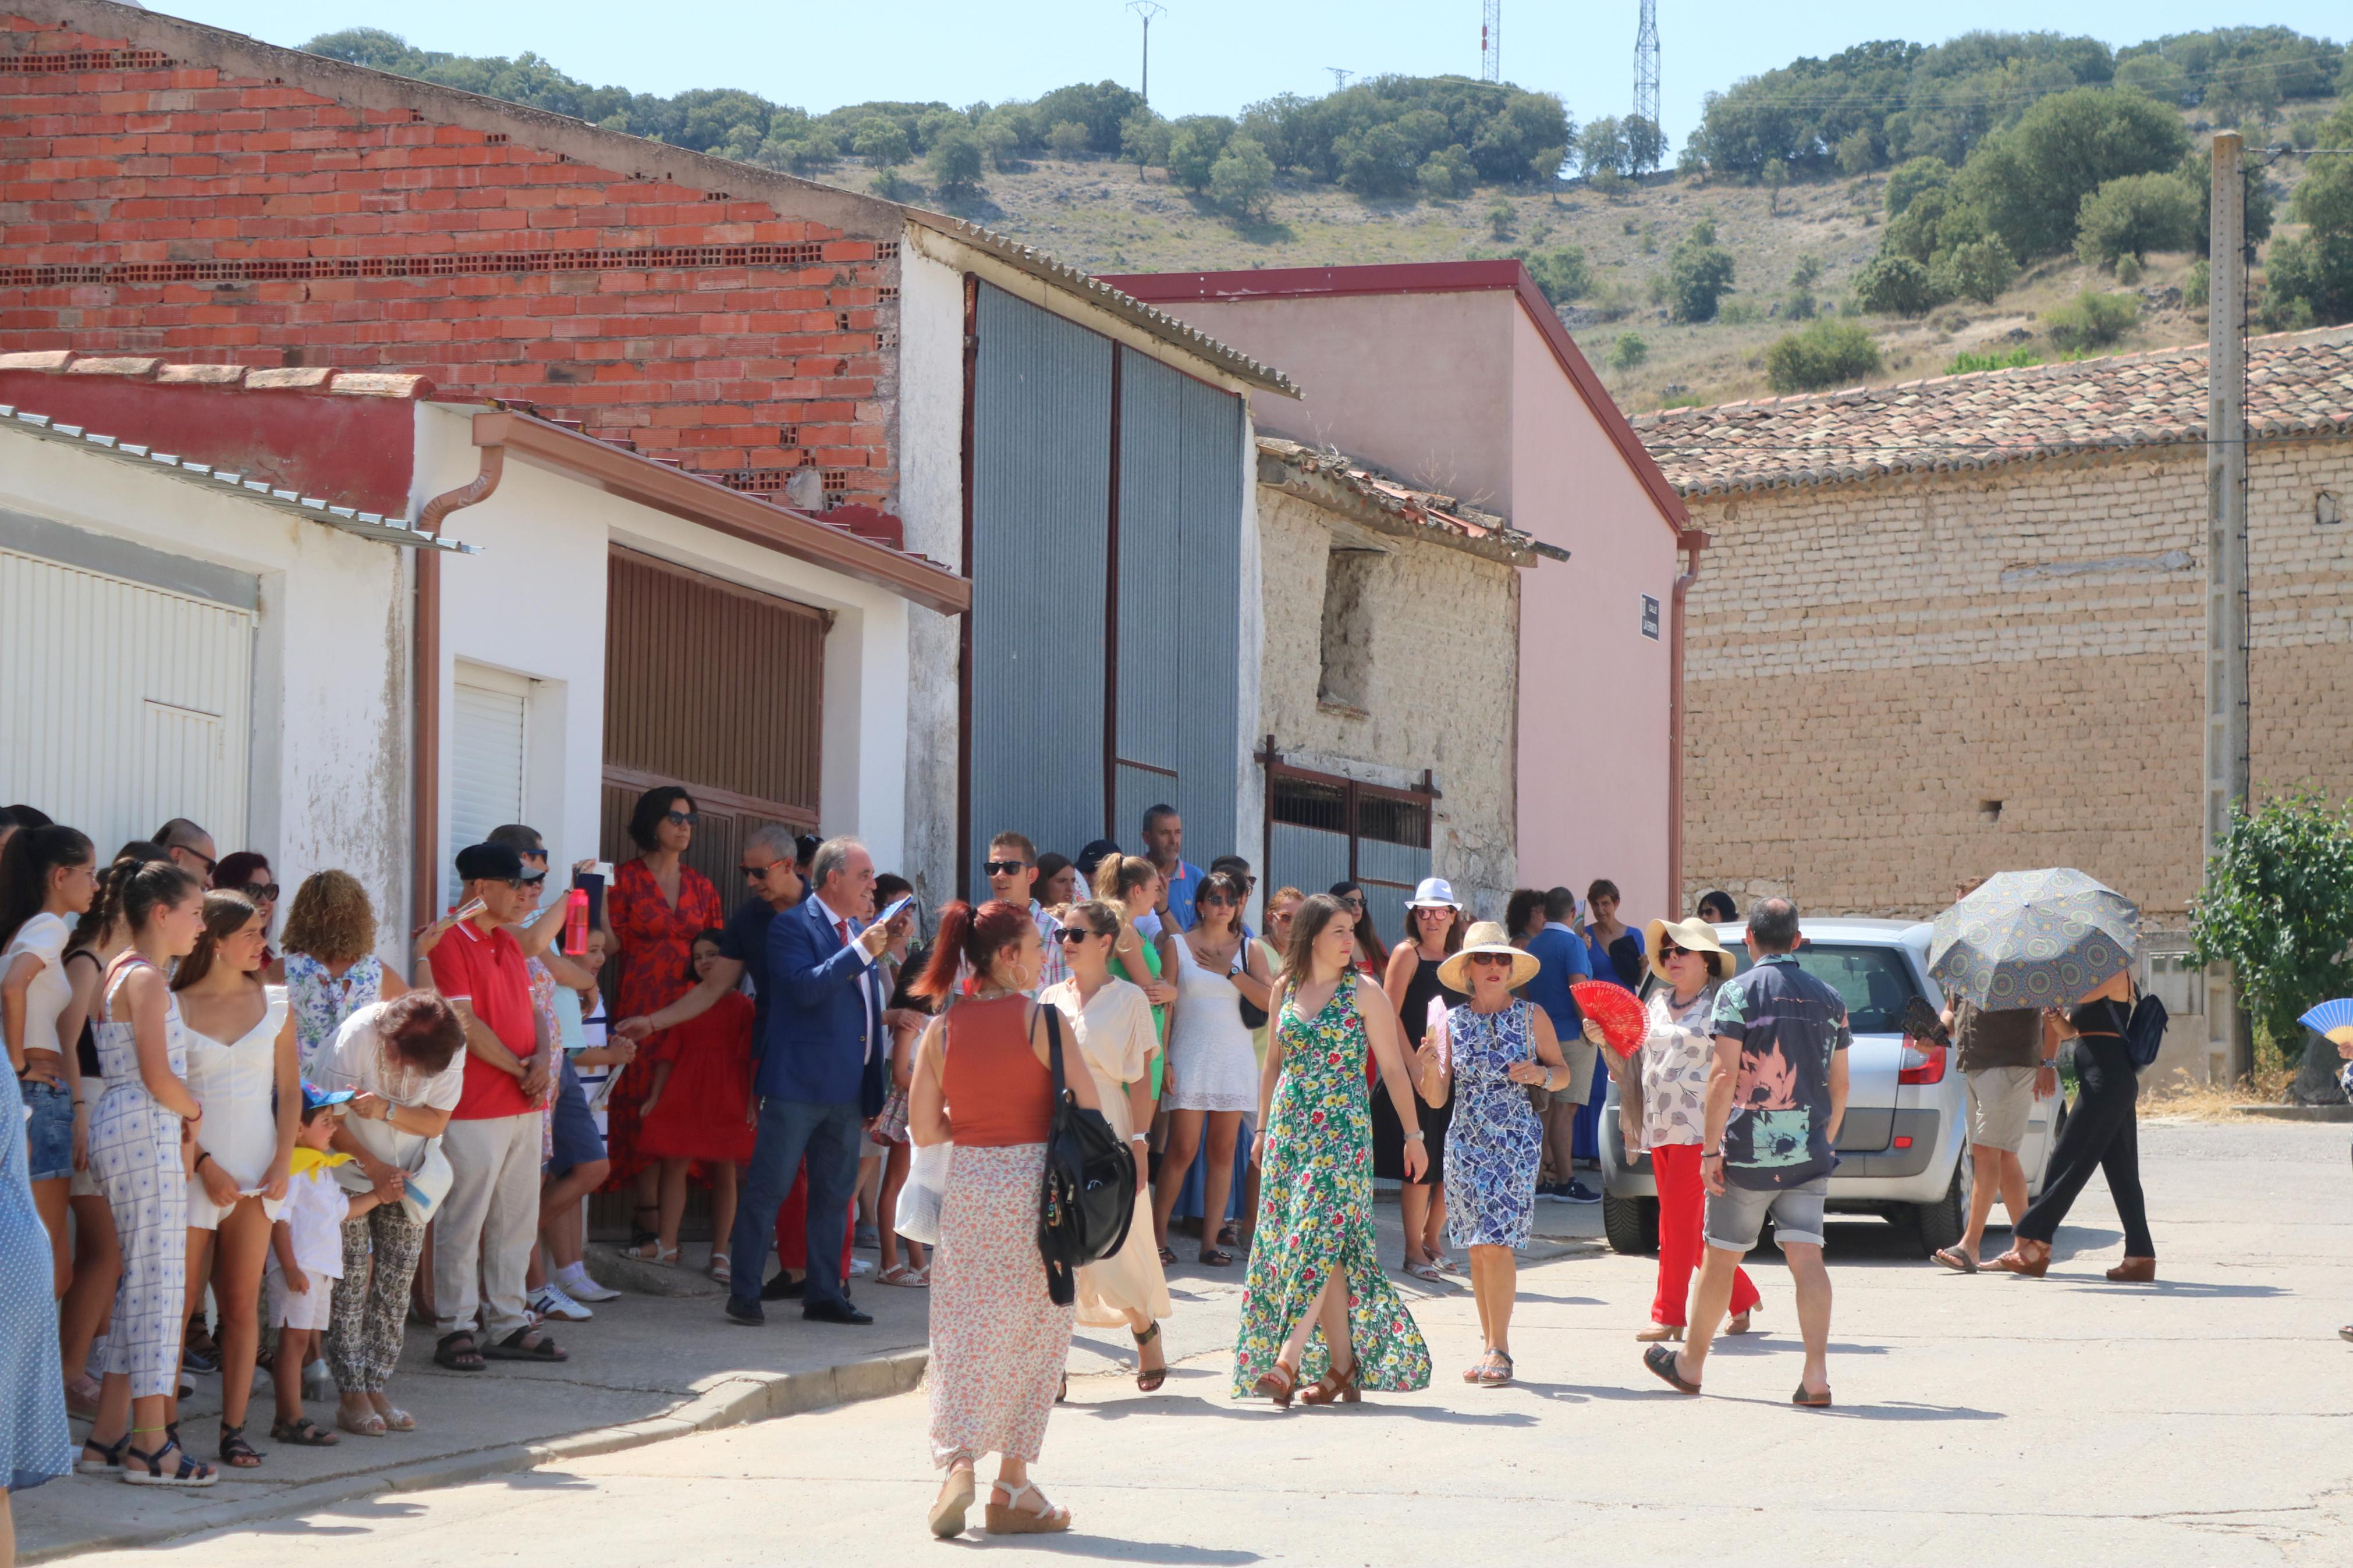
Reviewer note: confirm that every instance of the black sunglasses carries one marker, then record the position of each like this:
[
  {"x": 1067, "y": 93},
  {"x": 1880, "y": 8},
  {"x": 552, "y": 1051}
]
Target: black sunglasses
[
  {"x": 1004, "y": 868},
  {"x": 1214, "y": 901},
  {"x": 530, "y": 878},
  {"x": 261, "y": 892},
  {"x": 1069, "y": 934},
  {"x": 682, "y": 818},
  {"x": 1482, "y": 960},
  {"x": 211, "y": 865},
  {"x": 761, "y": 872},
  {"x": 1669, "y": 950}
]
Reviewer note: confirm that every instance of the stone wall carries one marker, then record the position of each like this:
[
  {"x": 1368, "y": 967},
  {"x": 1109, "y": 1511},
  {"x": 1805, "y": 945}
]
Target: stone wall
[
  {"x": 1441, "y": 635},
  {"x": 1896, "y": 683}
]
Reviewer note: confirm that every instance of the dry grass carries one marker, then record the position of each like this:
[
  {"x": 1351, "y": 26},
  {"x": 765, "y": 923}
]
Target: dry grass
[{"x": 2182, "y": 1100}]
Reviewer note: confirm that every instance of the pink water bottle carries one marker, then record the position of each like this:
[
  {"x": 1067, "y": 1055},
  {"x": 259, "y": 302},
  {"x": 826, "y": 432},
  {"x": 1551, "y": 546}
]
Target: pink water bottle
[{"x": 576, "y": 921}]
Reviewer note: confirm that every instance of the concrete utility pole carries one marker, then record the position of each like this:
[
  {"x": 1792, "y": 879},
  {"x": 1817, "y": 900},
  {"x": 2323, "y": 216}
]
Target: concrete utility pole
[
  {"x": 1145, "y": 10},
  {"x": 2227, "y": 772}
]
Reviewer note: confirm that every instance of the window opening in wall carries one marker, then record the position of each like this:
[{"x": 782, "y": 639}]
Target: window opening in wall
[
  {"x": 2328, "y": 508},
  {"x": 1347, "y": 665},
  {"x": 1988, "y": 811}
]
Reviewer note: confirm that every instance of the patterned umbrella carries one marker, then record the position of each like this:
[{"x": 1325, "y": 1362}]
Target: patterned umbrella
[{"x": 2035, "y": 939}]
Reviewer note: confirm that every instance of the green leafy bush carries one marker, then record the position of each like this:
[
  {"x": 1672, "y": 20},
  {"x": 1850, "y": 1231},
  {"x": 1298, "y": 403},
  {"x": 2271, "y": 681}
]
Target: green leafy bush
[
  {"x": 1629, "y": 351},
  {"x": 1501, "y": 218},
  {"x": 2091, "y": 320},
  {"x": 1562, "y": 274},
  {"x": 1894, "y": 285},
  {"x": 1066, "y": 140},
  {"x": 1193, "y": 144},
  {"x": 1699, "y": 272},
  {"x": 882, "y": 143},
  {"x": 2278, "y": 909},
  {"x": 2029, "y": 181},
  {"x": 2019, "y": 358},
  {"x": 2134, "y": 214},
  {"x": 955, "y": 161},
  {"x": 1979, "y": 269},
  {"x": 1242, "y": 179},
  {"x": 1827, "y": 353}
]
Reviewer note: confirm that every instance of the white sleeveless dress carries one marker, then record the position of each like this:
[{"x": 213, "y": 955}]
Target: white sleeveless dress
[
  {"x": 235, "y": 1084},
  {"x": 1209, "y": 1050}
]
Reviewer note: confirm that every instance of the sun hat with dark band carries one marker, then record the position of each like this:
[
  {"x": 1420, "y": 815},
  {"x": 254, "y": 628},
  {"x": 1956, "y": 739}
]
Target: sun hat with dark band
[
  {"x": 1693, "y": 936},
  {"x": 1487, "y": 936}
]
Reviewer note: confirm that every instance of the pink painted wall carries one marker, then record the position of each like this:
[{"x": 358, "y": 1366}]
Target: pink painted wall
[
  {"x": 1461, "y": 393},
  {"x": 1593, "y": 690}
]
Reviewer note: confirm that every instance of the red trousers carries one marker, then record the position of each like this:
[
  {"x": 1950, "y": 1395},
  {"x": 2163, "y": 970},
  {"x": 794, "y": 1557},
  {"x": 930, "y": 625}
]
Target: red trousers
[
  {"x": 792, "y": 1228},
  {"x": 1682, "y": 1212}
]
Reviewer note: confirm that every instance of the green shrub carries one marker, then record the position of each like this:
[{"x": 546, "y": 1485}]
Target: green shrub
[
  {"x": 1242, "y": 179},
  {"x": 1499, "y": 218},
  {"x": 1447, "y": 173},
  {"x": 2193, "y": 292},
  {"x": 881, "y": 142},
  {"x": 1911, "y": 177},
  {"x": 1193, "y": 144},
  {"x": 1979, "y": 269},
  {"x": 1144, "y": 140},
  {"x": 955, "y": 161},
  {"x": 1066, "y": 140},
  {"x": 2134, "y": 214},
  {"x": 1739, "y": 313},
  {"x": 2278, "y": 909},
  {"x": 1964, "y": 362},
  {"x": 1801, "y": 305},
  {"x": 1629, "y": 351},
  {"x": 2029, "y": 181},
  {"x": 1699, "y": 272},
  {"x": 1894, "y": 286},
  {"x": 1825, "y": 354},
  {"x": 1561, "y": 274},
  {"x": 2091, "y": 320},
  {"x": 2128, "y": 269}
]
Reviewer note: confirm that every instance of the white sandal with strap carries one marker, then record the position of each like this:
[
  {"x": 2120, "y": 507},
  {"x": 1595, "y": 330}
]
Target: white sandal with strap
[{"x": 1010, "y": 1517}]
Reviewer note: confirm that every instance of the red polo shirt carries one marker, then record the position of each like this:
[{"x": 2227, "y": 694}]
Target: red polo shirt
[{"x": 488, "y": 974}]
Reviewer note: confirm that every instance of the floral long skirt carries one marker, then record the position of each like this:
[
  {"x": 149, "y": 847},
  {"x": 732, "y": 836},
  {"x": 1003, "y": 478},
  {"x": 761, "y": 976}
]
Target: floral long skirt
[{"x": 1000, "y": 1344}]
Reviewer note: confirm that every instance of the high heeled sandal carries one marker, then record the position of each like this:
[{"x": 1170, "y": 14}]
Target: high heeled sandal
[
  {"x": 1336, "y": 1387},
  {"x": 2016, "y": 1262},
  {"x": 1278, "y": 1383},
  {"x": 1148, "y": 1379},
  {"x": 947, "y": 1519},
  {"x": 1010, "y": 1519}
]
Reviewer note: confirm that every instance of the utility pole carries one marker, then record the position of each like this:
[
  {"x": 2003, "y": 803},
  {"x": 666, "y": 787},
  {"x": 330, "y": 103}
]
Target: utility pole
[
  {"x": 1340, "y": 75},
  {"x": 1491, "y": 41},
  {"x": 1646, "y": 63},
  {"x": 2227, "y": 772},
  {"x": 1145, "y": 10}
]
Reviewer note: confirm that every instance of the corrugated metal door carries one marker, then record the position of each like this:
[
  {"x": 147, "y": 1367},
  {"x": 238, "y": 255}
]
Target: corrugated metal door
[
  {"x": 716, "y": 687},
  {"x": 489, "y": 714},
  {"x": 1040, "y": 516},
  {"x": 122, "y": 704}
]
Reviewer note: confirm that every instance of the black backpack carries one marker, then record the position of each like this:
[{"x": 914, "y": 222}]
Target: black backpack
[
  {"x": 2145, "y": 1032},
  {"x": 1090, "y": 1195}
]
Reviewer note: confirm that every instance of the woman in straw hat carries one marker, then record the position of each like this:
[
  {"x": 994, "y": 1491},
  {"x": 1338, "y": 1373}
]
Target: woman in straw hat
[
  {"x": 1663, "y": 1107},
  {"x": 1487, "y": 1054}
]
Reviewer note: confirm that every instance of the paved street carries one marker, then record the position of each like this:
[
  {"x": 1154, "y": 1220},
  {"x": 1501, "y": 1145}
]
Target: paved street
[{"x": 1981, "y": 1421}]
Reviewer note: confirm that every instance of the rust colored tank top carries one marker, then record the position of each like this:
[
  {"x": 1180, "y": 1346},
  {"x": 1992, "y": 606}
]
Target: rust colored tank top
[{"x": 998, "y": 1092}]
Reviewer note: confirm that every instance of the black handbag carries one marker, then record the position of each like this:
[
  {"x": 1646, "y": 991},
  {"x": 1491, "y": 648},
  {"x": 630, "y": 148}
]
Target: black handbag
[
  {"x": 1253, "y": 1015},
  {"x": 1090, "y": 1194}
]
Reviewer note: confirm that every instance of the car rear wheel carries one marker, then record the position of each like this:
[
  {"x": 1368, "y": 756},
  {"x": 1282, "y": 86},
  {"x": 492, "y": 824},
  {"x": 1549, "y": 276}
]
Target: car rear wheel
[
  {"x": 1940, "y": 1223},
  {"x": 1631, "y": 1224}
]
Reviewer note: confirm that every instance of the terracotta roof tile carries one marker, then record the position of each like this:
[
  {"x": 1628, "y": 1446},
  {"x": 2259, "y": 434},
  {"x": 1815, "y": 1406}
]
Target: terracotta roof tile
[{"x": 2298, "y": 384}]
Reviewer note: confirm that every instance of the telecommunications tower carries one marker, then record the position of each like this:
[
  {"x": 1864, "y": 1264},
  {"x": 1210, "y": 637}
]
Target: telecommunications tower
[
  {"x": 1491, "y": 41},
  {"x": 1646, "y": 63}
]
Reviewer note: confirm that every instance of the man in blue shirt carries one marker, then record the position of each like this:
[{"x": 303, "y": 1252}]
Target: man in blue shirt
[
  {"x": 819, "y": 1075},
  {"x": 1774, "y": 1099},
  {"x": 1164, "y": 846},
  {"x": 1562, "y": 960}
]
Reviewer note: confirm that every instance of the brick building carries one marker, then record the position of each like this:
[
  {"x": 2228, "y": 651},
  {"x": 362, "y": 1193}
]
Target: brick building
[
  {"x": 177, "y": 190},
  {"x": 1955, "y": 626}
]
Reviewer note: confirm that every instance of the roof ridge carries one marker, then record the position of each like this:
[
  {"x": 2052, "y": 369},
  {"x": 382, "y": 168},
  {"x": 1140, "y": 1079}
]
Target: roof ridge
[{"x": 406, "y": 385}]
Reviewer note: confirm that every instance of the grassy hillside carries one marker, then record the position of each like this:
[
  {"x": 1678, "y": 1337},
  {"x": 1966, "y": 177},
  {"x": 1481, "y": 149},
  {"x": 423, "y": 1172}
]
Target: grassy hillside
[{"x": 1105, "y": 217}]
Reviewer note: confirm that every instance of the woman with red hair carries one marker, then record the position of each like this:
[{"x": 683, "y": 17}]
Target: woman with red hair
[{"x": 999, "y": 1341}]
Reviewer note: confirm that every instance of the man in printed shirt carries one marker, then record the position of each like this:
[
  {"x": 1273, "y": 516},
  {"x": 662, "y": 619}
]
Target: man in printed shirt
[{"x": 1775, "y": 1099}]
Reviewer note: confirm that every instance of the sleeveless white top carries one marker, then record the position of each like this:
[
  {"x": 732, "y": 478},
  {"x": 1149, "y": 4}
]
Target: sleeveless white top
[
  {"x": 1209, "y": 1050},
  {"x": 235, "y": 1084}
]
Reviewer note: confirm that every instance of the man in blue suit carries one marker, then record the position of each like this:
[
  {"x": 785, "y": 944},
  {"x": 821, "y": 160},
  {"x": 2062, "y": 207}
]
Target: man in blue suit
[
  {"x": 819, "y": 1078},
  {"x": 1561, "y": 959}
]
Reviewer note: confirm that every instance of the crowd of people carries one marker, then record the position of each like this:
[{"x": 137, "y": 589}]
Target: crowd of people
[{"x": 277, "y": 1123}]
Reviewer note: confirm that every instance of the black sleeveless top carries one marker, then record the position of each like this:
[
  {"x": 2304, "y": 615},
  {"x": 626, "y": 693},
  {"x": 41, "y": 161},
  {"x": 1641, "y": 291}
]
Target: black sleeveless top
[
  {"x": 1415, "y": 1014},
  {"x": 2106, "y": 1017}
]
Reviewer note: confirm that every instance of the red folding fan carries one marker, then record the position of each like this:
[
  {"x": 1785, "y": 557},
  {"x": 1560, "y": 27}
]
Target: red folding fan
[{"x": 1617, "y": 1010}]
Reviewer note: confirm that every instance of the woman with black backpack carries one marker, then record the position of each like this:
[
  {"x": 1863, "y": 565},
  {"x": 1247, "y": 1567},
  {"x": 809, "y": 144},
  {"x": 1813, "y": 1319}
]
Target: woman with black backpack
[
  {"x": 2102, "y": 1134},
  {"x": 983, "y": 1082}
]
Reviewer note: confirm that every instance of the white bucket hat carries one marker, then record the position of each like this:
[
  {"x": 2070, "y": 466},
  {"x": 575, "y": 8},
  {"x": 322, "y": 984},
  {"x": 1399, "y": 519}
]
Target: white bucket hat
[{"x": 1433, "y": 893}]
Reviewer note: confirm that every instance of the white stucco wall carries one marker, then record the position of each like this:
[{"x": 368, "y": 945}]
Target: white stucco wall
[
  {"x": 327, "y": 780},
  {"x": 931, "y": 490}
]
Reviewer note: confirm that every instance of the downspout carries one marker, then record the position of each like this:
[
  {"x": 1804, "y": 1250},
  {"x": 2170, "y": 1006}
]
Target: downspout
[
  {"x": 490, "y": 433},
  {"x": 1694, "y": 541}
]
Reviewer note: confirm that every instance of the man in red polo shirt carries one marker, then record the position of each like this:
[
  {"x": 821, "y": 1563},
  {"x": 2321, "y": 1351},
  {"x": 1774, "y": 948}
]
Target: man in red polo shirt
[{"x": 490, "y": 1221}]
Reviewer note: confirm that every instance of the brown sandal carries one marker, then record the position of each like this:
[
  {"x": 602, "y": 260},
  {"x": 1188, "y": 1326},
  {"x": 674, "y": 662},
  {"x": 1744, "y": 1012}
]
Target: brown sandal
[
  {"x": 1278, "y": 1383},
  {"x": 1336, "y": 1387},
  {"x": 1148, "y": 1379},
  {"x": 2016, "y": 1262},
  {"x": 1216, "y": 1257}
]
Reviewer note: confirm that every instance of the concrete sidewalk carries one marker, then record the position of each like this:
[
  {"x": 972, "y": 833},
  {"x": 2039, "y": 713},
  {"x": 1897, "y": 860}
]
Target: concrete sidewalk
[{"x": 661, "y": 1362}]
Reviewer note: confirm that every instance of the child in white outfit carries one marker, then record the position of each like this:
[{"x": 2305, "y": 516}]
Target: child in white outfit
[{"x": 306, "y": 1257}]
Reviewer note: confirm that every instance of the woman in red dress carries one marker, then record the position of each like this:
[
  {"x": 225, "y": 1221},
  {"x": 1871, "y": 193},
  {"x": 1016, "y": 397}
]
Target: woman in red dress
[
  {"x": 656, "y": 907},
  {"x": 698, "y": 1109}
]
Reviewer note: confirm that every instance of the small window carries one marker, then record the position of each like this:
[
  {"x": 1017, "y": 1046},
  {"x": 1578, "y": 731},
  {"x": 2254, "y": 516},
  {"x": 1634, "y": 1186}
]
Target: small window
[{"x": 1347, "y": 678}]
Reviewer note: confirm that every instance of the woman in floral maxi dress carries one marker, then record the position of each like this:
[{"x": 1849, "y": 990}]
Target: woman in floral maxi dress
[{"x": 1316, "y": 1301}]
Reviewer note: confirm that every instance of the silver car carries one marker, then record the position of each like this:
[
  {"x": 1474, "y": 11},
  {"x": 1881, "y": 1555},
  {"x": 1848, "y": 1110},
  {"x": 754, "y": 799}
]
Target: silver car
[{"x": 1902, "y": 1149}]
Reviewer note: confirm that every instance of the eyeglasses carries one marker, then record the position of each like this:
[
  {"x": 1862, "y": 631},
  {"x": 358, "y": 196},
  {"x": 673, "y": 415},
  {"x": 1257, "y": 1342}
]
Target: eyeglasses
[
  {"x": 759, "y": 873},
  {"x": 211, "y": 865},
  {"x": 1668, "y": 949},
  {"x": 682, "y": 818},
  {"x": 1070, "y": 936},
  {"x": 1004, "y": 868},
  {"x": 1213, "y": 901},
  {"x": 1354, "y": 901},
  {"x": 530, "y": 878},
  {"x": 1487, "y": 960},
  {"x": 261, "y": 892}
]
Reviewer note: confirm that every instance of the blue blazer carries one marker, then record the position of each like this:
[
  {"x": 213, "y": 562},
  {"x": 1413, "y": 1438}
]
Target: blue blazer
[
  {"x": 819, "y": 991},
  {"x": 1564, "y": 959}
]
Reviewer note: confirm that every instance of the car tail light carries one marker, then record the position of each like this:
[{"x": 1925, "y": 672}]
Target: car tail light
[
  {"x": 1905, "y": 1142},
  {"x": 1922, "y": 1063}
]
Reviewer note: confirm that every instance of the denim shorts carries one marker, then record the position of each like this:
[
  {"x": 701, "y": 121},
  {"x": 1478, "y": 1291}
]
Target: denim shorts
[
  {"x": 572, "y": 1130},
  {"x": 49, "y": 1131}
]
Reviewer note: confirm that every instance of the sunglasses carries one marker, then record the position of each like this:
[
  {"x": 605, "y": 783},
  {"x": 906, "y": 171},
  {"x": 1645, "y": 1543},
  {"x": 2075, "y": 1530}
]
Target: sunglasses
[
  {"x": 1004, "y": 868},
  {"x": 759, "y": 873},
  {"x": 682, "y": 818},
  {"x": 1071, "y": 935},
  {"x": 211, "y": 865},
  {"x": 1213, "y": 901},
  {"x": 1489, "y": 960},
  {"x": 261, "y": 892},
  {"x": 530, "y": 879},
  {"x": 1354, "y": 901},
  {"x": 1669, "y": 950}
]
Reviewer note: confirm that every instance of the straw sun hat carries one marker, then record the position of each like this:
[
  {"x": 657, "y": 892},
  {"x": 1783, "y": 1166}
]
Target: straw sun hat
[
  {"x": 1487, "y": 936},
  {"x": 1693, "y": 936}
]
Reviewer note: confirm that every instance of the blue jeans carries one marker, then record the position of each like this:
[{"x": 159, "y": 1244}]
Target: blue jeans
[{"x": 790, "y": 1130}]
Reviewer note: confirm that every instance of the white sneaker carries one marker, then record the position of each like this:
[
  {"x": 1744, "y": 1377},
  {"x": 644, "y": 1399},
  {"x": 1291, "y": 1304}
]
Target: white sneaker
[
  {"x": 581, "y": 1288},
  {"x": 550, "y": 1301},
  {"x": 859, "y": 1268}
]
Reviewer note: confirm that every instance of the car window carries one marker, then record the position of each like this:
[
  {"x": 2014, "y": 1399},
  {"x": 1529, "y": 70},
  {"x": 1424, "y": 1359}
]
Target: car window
[{"x": 1874, "y": 981}]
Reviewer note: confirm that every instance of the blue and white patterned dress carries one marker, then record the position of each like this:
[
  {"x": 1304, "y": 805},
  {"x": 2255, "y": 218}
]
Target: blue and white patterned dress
[
  {"x": 32, "y": 1442},
  {"x": 1495, "y": 1140},
  {"x": 322, "y": 1000}
]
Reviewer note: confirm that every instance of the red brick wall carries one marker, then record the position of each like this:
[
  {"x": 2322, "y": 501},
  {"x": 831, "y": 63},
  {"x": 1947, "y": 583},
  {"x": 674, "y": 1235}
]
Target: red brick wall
[{"x": 149, "y": 205}]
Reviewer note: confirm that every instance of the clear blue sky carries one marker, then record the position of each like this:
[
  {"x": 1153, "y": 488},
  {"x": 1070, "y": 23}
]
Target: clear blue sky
[{"x": 1207, "y": 55}]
